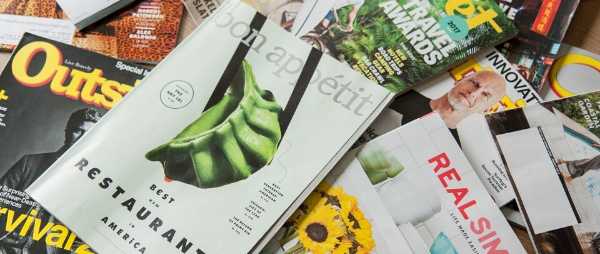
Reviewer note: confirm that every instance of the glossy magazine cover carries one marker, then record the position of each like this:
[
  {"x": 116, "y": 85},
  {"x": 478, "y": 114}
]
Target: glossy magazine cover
[
  {"x": 396, "y": 43},
  {"x": 228, "y": 133},
  {"x": 542, "y": 25},
  {"x": 50, "y": 95},
  {"x": 432, "y": 193}
]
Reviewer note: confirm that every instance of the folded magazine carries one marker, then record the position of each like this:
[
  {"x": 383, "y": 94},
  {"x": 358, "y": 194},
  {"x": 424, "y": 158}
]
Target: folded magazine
[
  {"x": 551, "y": 154},
  {"x": 396, "y": 43},
  {"x": 220, "y": 140},
  {"x": 432, "y": 193},
  {"x": 50, "y": 95},
  {"x": 343, "y": 215}
]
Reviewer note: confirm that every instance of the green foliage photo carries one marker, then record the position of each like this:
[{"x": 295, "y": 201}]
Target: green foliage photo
[{"x": 373, "y": 29}]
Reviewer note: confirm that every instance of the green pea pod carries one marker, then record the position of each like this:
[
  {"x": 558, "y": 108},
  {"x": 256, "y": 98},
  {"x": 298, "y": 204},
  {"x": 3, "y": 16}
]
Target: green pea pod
[{"x": 230, "y": 141}]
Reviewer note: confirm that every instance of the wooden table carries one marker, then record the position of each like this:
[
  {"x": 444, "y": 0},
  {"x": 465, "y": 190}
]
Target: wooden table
[{"x": 584, "y": 32}]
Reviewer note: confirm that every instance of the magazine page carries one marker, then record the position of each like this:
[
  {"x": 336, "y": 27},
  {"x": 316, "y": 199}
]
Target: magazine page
[
  {"x": 542, "y": 25},
  {"x": 50, "y": 95},
  {"x": 222, "y": 146},
  {"x": 200, "y": 9},
  {"x": 430, "y": 189},
  {"x": 567, "y": 149},
  {"x": 343, "y": 215},
  {"x": 397, "y": 44},
  {"x": 145, "y": 32},
  {"x": 575, "y": 71},
  {"x": 485, "y": 83},
  {"x": 41, "y": 17},
  {"x": 540, "y": 191},
  {"x": 85, "y": 13},
  {"x": 569, "y": 133}
]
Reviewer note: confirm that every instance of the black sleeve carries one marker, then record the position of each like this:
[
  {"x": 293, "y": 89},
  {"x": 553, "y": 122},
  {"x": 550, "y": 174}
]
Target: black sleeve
[
  {"x": 14, "y": 176},
  {"x": 411, "y": 105}
]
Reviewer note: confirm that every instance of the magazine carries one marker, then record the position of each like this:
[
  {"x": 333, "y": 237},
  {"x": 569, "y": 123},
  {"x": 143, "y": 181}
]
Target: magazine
[
  {"x": 434, "y": 196},
  {"x": 144, "y": 33},
  {"x": 343, "y": 215},
  {"x": 397, "y": 44},
  {"x": 485, "y": 83},
  {"x": 223, "y": 144},
  {"x": 551, "y": 153},
  {"x": 542, "y": 25},
  {"x": 85, "y": 13},
  {"x": 200, "y": 9},
  {"x": 41, "y": 17},
  {"x": 575, "y": 71},
  {"x": 50, "y": 95}
]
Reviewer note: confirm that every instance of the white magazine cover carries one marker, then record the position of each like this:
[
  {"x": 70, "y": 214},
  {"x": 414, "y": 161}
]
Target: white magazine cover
[
  {"x": 227, "y": 133},
  {"x": 433, "y": 194},
  {"x": 85, "y": 13},
  {"x": 343, "y": 215}
]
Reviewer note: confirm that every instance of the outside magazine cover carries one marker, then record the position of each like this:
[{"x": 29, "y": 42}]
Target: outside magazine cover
[
  {"x": 396, "y": 43},
  {"x": 248, "y": 121},
  {"x": 542, "y": 25},
  {"x": 343, "y": 215},
  {"x": 50, "y": 95},
  {"x": 432, "y": 193},
  {"x": 551, "y": 152}
]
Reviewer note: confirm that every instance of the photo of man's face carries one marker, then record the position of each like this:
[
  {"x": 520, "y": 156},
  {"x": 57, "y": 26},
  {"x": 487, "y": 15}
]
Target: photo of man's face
[
  {"x": 477, "y": 92},
  {"x": 473, "y": 94},
  {"x": 79, "y": 123},
  {"x": 76, "y": 133}
]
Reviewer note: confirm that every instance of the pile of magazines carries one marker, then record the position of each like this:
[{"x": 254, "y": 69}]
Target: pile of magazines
[{"x": 297, "y": 126}]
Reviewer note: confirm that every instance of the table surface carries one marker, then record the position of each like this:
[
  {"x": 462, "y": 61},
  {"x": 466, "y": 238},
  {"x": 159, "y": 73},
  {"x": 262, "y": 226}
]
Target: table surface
[{"x": 584, "y": 32}]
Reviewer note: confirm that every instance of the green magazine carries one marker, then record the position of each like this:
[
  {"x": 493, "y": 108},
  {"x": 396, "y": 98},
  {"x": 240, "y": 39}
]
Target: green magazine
[{"x": 397, "y": 43}]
